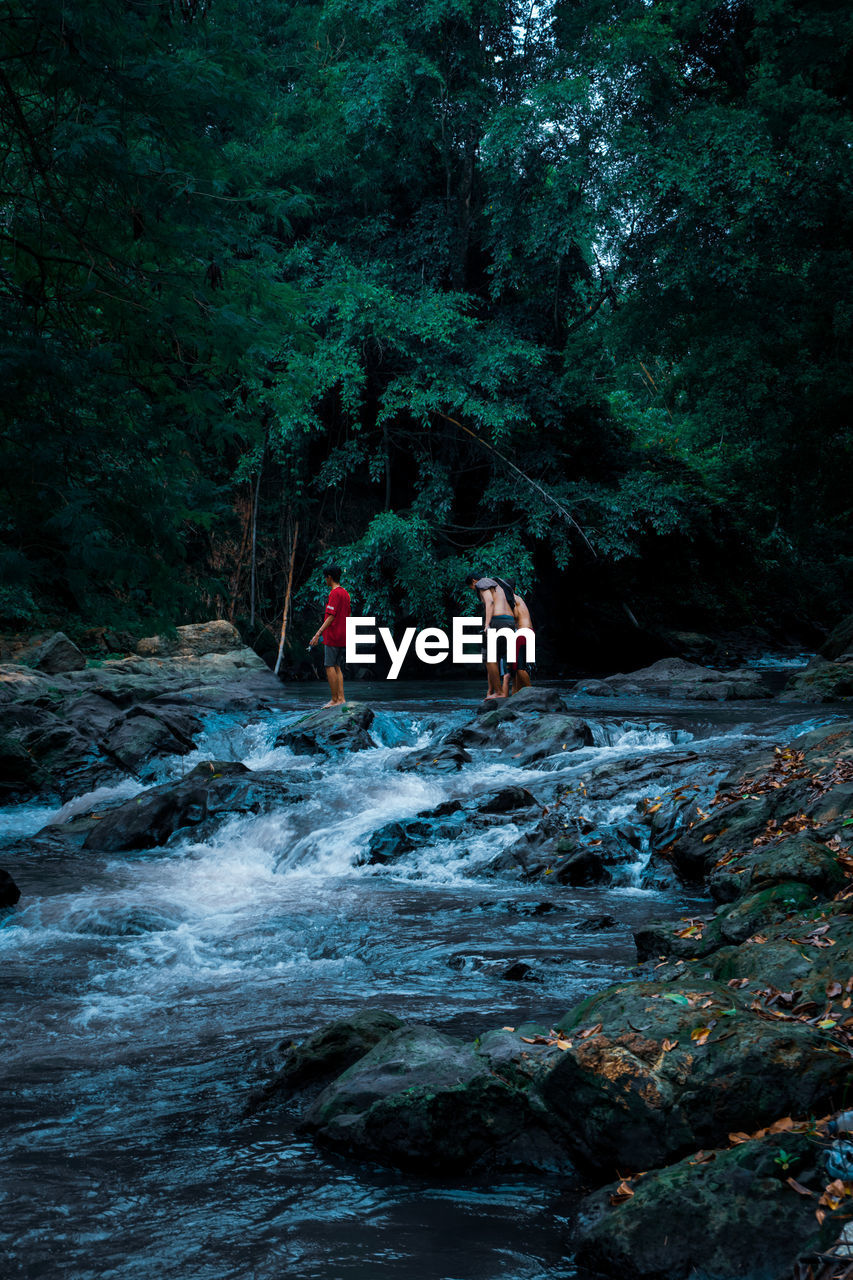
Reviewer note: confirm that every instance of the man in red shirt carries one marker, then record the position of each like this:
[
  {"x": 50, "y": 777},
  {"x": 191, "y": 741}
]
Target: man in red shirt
[{"x": 334, "y": 633}]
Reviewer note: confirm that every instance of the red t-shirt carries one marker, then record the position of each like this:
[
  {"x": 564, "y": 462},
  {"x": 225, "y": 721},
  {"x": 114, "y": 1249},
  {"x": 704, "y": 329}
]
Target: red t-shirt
[{"x": 338, "y": 607}]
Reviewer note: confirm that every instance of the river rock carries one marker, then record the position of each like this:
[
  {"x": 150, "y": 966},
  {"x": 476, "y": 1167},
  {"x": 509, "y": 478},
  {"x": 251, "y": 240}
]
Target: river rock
[
  {"x": 325, "y": 1054},
  {"x": 808, "y": 955},
  {"x": 568, "y": 850},
  {"x": 730, "y": 1213},
  {"x": 10, "y": 894},
  {"x": 211, "y": 792},
  {"x": 633, "y": 1104},
  {"x": 675, "y": 678},
  {"x": 731, "y": 925},
  {"x": 797, "y": 857},
  {"x": 136, "y": 736},
  {"x": 821, "y": 681},
  {"x": 445, "y": 758},
  {"x": 56, "y": 656},
  {"x": 424, "y": 1100},
  {"x": 496, "y": 711},
  {"x": 330, "y": 730},
  {"x": 59, "y": 758}
]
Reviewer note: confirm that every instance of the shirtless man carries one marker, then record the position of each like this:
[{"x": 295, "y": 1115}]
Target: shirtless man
[
  {"x": 498, "y": 615},
  {"x": 520, "y": 673}
]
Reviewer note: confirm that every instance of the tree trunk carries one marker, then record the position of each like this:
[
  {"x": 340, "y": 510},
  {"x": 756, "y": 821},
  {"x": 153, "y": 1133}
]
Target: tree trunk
[{"x": 287, "y": 597}]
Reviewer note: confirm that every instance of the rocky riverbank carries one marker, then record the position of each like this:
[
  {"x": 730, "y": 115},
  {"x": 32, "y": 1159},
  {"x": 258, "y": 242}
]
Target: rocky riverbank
[
  {"x": 695, "y": 1107},
  {"x": 702, "y": 1091}
]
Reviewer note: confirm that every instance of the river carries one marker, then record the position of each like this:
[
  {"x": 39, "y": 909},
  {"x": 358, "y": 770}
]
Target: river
[{"x": 140, "y": 992}]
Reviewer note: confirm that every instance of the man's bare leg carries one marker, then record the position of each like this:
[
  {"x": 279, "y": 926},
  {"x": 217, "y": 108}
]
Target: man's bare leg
[
  {"x": 522, "y": 681},
  {"x": 494, "y": 680},
  {"x": 332, "y": 679},
  {"x": 339, "y": 687}
]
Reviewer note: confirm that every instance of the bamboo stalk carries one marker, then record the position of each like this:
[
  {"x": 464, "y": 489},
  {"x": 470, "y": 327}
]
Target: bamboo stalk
[{"x": 287, "y": 597}]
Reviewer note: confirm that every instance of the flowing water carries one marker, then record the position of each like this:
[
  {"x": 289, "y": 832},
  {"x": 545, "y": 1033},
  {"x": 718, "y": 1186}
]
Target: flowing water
[{"x": 141, "y": 990}]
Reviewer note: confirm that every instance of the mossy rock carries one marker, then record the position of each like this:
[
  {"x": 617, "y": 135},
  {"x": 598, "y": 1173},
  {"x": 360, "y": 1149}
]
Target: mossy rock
[
  {"x": 733, "y": 1215},
  {"x": 665, "y": 1069},
  {"x": 731, "y": 925},
  {"x": 796, "y": 858}
]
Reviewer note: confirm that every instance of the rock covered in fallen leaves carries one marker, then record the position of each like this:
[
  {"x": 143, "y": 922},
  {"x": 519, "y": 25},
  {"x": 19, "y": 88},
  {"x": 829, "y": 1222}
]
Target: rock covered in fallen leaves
[
  {"x": 656, "y": 1070},
  {"x": 730, "y": 926},
  {"x": 727, "y": 1213}
]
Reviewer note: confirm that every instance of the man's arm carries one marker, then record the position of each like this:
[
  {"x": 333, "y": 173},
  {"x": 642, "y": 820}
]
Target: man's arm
[{"x": 315, "y": 639}]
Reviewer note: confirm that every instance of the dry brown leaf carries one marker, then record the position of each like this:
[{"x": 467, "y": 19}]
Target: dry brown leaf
[
  {"x": 591, "y": 1031},
  {"x": 799, "y": 1188},
  {"x": 669, "y": 1045}
]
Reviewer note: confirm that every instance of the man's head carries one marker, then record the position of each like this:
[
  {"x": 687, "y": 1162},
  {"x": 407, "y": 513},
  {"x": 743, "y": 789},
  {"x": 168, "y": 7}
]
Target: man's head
[
  {"x": 332, "y": 574},
  {"x": 472, "y": 579}
]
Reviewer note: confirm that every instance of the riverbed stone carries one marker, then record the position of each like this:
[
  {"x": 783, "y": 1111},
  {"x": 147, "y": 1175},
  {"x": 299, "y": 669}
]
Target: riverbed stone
[
  {"x": 330, "y": 730},
  {"x": 197, "y": 639},
  {"x": 211, "y": 793},
  {"x": 645, "y": 1084},
  {"x": 821, "y": 681},
  {"x": 424, "y": 1100},
  {"x": 325, "y": 1054},
  {"x": 534, "y": 698},
  {"x": 137, "y": 736},
  {"x": 712, "y": 1216},
  {"x": 444, "y": 758}
]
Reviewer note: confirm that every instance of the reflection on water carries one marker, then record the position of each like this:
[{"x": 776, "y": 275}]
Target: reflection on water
[{"x": 140, "y": 991}]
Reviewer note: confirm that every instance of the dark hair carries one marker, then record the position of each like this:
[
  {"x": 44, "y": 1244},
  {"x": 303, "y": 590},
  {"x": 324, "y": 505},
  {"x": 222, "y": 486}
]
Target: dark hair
[
  {"x": 472, "y": 577},
  {"x": 332, "y": 571}
]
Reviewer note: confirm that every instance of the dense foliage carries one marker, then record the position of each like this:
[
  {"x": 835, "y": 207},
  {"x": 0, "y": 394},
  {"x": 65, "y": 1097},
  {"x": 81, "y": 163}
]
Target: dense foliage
[{"x": 561, "y": 289}]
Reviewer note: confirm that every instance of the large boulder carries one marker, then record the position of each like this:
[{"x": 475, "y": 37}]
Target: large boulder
[
  {"x": 656, "y": 1070},
  {"x": 212, "y": 792},
  {"x": 330, "y": 730},
  {"x": 193, "y": 641},
  {"x": 496, "y": 711},
  {"x": 56, "y": 656},
  {"x": 713, "y": 1216},
  {"x": 427, "y": 1101},
  {"x": 732, "y": 924},
  {"x": 821, "y": 681},
  {"x": 675, "y": 678},
  {"x": 144, "y": 732}
]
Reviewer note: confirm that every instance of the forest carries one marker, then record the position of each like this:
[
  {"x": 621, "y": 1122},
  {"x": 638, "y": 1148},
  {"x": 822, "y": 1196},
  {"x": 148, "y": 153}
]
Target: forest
[{"x": 561, "y": 289}]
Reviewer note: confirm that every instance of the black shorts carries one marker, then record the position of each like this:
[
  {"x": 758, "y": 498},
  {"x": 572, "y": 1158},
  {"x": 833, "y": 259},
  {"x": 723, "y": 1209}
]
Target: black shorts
[
  {"x": 334, "y": 654},
  {"x": 500, "y": 622}
]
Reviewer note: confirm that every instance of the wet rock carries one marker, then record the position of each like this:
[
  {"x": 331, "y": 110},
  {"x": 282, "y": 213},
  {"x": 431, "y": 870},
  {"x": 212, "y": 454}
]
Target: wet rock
[
  {"x": 56, "y": 656},
  {"x": 838, "y": 646},
  {"x": 553, "y": 734},
  {"x": 20, "y": 773},
  {"x": 675, "y": 678},
  {"x": 594, "y": 689},
  {"x": 506, "y": 800},
  {"x": 518, "y": 971},
  {"x": 212, "y": 792},
  {"x": 799, "y": 857},
  {"x": 633, "y": 1103},
  {"x": 325, "y": 1054},
  {"x": 56, "y": 756},
  {"x": 533, "y": 698},
  {"x": 10, "y": 894},
  {"x": 330, "y": 730},
  {"x": 568, "y": 850},
  {"x": 594, "y": 924},
  {"x": 732, "y": 924},
  {"x": 446, "y": 758},
  {"x": 732, "y": 1214},
  {"x": 142, "y": 733},
  {"x": 396, "y": 839},
  {"x": 424, "y": 1100}
]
